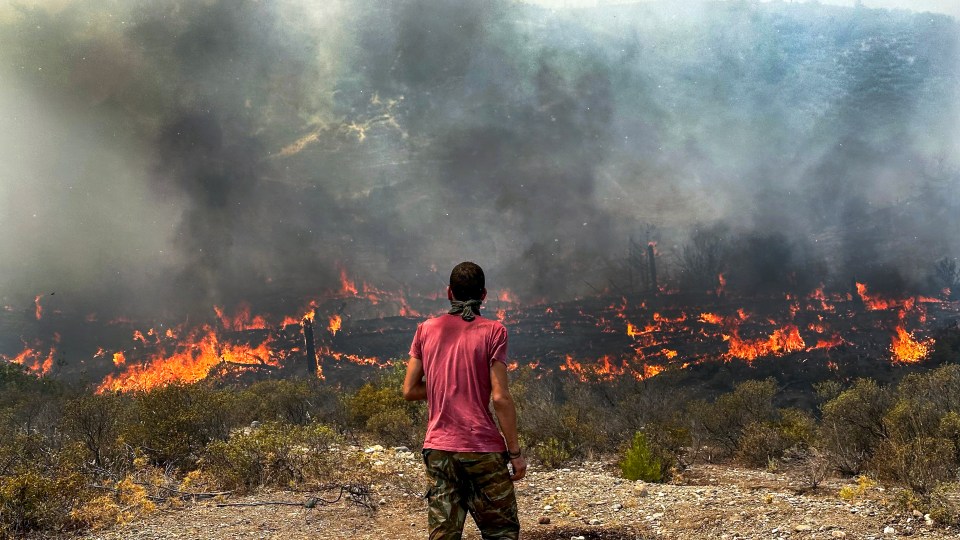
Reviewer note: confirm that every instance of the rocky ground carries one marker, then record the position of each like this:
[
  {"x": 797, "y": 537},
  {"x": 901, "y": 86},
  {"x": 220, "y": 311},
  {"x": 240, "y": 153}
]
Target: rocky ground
[{"x": 584, "y": 502}]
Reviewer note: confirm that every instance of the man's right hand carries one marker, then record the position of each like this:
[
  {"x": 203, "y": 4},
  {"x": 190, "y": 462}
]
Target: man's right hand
[{"x": 519, "y": 468}]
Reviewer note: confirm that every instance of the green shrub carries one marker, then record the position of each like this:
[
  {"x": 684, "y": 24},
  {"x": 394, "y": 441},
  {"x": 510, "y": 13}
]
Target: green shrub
[
  {"x": 273, "y": 454},
  {"x": 641, "y": 462}
]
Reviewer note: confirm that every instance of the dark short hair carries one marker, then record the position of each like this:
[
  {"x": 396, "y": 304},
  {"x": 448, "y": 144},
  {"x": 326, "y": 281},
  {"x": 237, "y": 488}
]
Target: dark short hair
[{"x": 467, "y": 281}]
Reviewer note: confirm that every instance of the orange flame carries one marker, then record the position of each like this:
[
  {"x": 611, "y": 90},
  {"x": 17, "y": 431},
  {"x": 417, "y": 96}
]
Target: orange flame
[
  {"x": 710, "y": 318},
  {"x": 119, "y": 359},
  {"x": 38, "y": 310},
  {"x": 347, "y": 286},
  {"x": 649, "y": 371},
  {"x": 834, "y": 341},
  {"x": 782, "y": 341},
  {"x": 189, "y": 362},
  {"x": 335, "y": 322},
  {"x": 906, "y": 349},
  {"x": 32, "y": 357},
  {"x": 603, "y": 369},
  {"x": 872, "y": 301},
  {"x": 242, "y": 320}
]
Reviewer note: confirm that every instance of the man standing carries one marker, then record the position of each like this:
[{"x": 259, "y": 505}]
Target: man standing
[{"x": 458, "y": 364}]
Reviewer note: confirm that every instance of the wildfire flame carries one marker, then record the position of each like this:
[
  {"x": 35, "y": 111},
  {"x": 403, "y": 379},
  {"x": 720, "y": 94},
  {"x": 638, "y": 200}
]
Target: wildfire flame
[
  {"x": 188, "y": 362},
  {"x": 241, "y": 320},
  {"x": 874, "y": 302},
  {"x": 782, "y": 341},
  {"x": 38, "y": 309},
  {"x": 347, "y": 285},
  {"x": 662, "y": 333},
  {"x": 34, "y": 358},
  {"x": 906, "y": 349},
  {"x": 334, "y": 324}
]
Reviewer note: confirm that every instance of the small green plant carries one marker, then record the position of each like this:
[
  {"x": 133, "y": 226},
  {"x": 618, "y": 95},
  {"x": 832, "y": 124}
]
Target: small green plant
[{"x": 640, "y": 462}]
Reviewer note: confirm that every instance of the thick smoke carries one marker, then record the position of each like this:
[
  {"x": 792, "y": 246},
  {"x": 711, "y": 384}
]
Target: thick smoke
[{"x": 165, "y": 156}]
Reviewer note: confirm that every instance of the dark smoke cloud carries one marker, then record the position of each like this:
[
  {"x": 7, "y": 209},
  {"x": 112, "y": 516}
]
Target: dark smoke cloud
[{"x": 183, "y": 154}]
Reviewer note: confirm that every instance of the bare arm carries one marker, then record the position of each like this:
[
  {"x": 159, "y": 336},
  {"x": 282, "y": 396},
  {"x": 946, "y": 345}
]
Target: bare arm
[
  {"x": 507, "y": 416},
  {"x": 414, "y": 389}
]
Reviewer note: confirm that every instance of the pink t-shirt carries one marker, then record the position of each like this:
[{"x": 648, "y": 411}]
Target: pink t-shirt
[{"x": 457, "y": 356}]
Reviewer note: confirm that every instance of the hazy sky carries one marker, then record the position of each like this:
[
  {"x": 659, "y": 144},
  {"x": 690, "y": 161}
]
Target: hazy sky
[{"x": 951, "y": 7}]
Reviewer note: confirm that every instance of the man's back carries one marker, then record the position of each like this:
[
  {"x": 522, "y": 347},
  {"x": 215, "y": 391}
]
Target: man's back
[
  {"x": 457, "y": 356},
  {"x": 458, "y": 364}
]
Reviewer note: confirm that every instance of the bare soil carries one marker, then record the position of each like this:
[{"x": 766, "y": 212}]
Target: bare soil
[{"x": 589, "y": 501}]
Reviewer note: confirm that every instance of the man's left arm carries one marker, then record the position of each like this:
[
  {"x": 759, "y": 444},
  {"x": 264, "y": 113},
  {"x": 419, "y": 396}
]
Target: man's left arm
[{"x": 414, "y": 388}]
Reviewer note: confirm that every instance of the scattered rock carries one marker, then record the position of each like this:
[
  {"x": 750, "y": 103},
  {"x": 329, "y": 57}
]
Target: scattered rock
[
  {"x": 889, "y": 530},
  {"x": 544, "y": 520},
  {"x": 838, "y": 534},
  {"x": 801, "y": 528},
  {"x": 594, "y": 521}
]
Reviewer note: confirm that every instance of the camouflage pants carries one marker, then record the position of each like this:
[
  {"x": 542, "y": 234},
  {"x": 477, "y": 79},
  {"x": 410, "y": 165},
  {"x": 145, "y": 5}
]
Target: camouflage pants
[{"x": 475, "y": 482}]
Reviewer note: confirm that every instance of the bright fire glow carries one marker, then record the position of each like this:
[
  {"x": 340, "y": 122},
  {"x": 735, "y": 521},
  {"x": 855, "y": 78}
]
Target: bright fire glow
[
  {"x": 188, "y": 362},
  {"x": 782, "y": 341},
  {"x": 906, "y": 349},
  {"x": 335, "y": 322}
]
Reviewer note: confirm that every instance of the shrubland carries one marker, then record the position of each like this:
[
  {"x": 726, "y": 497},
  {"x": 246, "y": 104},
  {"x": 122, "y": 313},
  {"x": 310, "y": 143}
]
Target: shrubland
[{"x": 71, "y": 459}]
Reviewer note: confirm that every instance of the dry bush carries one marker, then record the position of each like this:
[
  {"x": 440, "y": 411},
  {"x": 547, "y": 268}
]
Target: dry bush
[
  {"x": 722, "y": 424},
  {"x": 565, "y": 419},
  {"x": 273, "y": 454},
  {"x": 811, "y": 465},
  {"x": 852, "y": 425},
  {"x": 174, "y": 424},
  {"x": 920, "y": 464},
  {"x": 378, "y": 408},
  {"x": 39, "y": 486}
]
